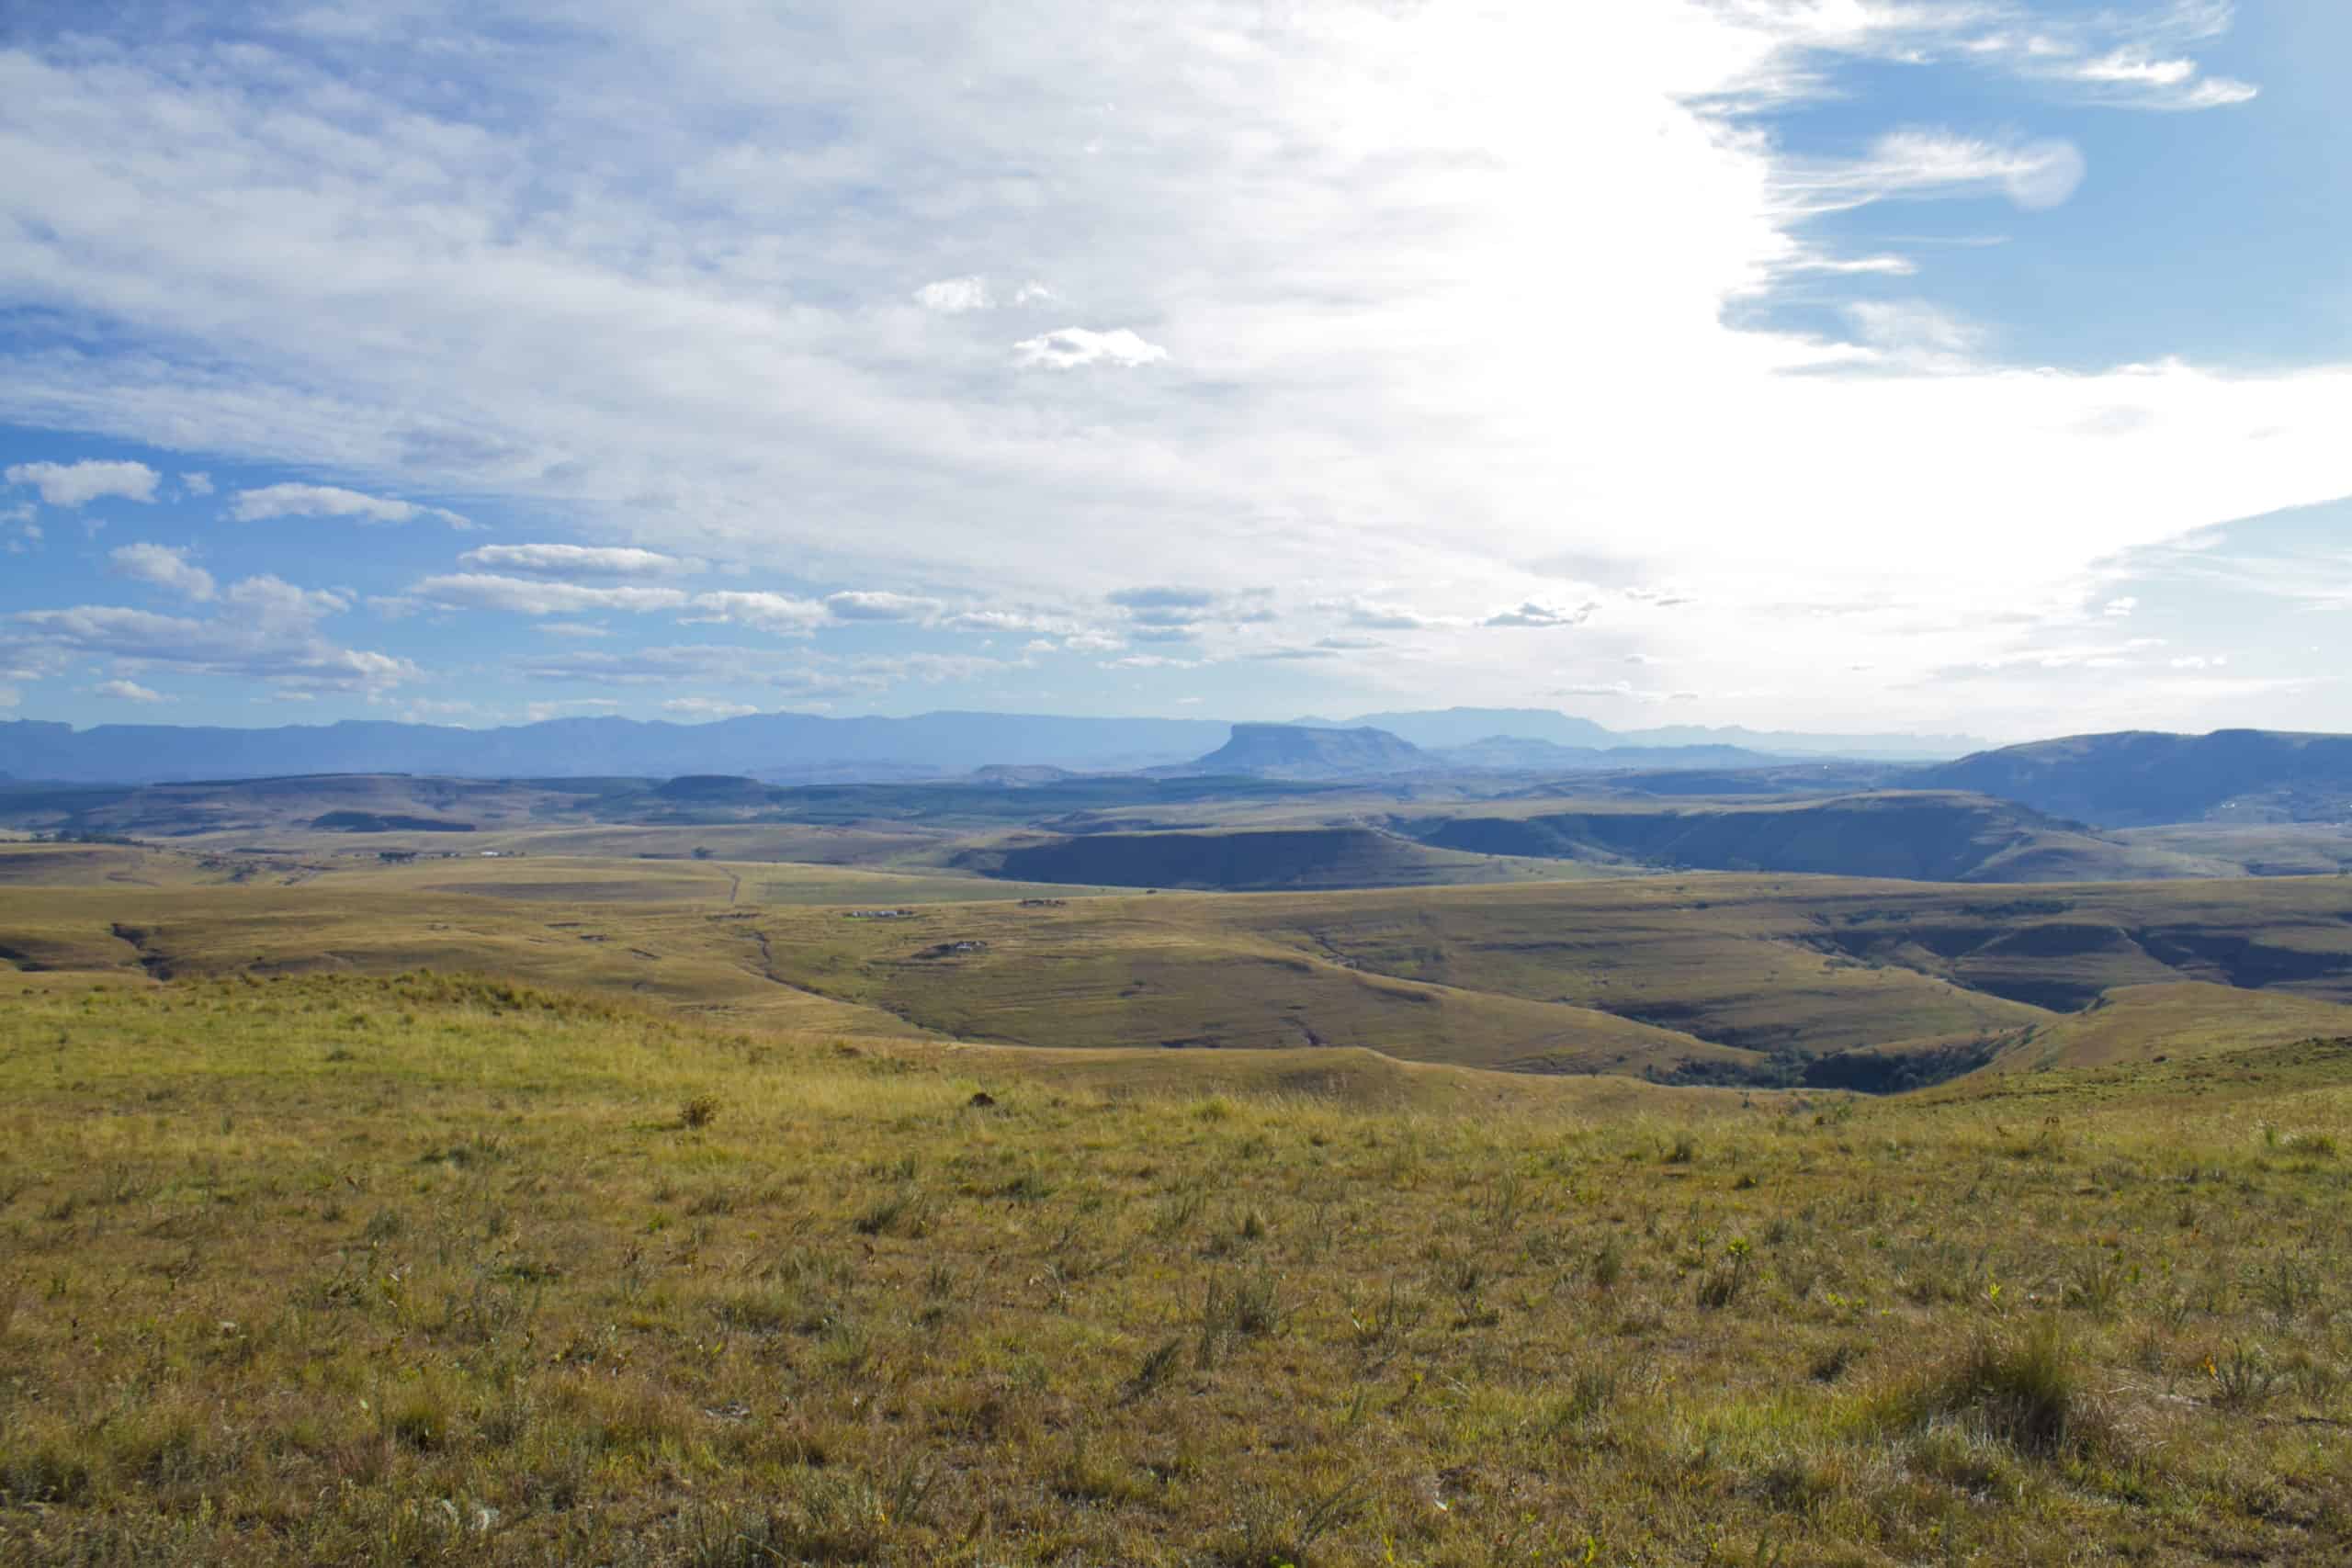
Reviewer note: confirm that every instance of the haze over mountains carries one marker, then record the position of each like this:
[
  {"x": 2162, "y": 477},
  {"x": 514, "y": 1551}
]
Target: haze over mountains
[{"x": 789, "y": 746}]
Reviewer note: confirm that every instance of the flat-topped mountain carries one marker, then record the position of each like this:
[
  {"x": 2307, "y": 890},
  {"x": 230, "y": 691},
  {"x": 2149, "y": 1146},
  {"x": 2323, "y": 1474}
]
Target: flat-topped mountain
[
  {"x": 1302, "y": 752},
  {"x": 2141, "y": 778}
]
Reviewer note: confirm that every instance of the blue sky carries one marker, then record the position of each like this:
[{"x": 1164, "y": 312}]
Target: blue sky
[{"x": 1960, "y": 366}]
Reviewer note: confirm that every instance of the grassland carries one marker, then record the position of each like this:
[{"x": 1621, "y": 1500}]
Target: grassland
[
  {"x": 330, "y": 1268},
  {"x": 1719, "y": 979}
]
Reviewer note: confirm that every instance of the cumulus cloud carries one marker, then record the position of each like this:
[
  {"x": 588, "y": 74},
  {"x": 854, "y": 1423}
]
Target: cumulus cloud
[
  {"x": 777, "y": 613},
  {"x": 267, "y": 630},
  {"x": 529, "y": 596},
  {"x": 127, "y": 692},
  {"x": 707, "y": 708},
  {"x": 1066, "y": 348},
  {"x": 1171, "y": 613},
  {"x": 198, "y": 483},
  {"x": 77, "y": 484},
  {"x": 164, "y": 567},
  {"x": 952, "y": 296},
  {"x": 575, "y": 560},
  {"x": 332, "y": 501},
  {"x": 876, "y": 605}
]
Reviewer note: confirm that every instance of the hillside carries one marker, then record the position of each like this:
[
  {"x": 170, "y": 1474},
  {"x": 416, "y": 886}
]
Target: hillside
[
  {"x": 2181, "y": 1020},
  {"x": 1913, "y": 835},
  {"x": 1241, "y": 859},
  {"x": 2137, "y": 778},
  {"x": 300, "y": 1262},
  {"x": 1301, "y": 751},
  {"x": 1695, "y": 977}
]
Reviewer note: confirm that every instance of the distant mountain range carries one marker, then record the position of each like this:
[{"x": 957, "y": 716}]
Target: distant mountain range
[
  {"x": 2141, "y": 778},
  {"x": 1448, "y": 727},
  {"x": 807, "y": 748}
]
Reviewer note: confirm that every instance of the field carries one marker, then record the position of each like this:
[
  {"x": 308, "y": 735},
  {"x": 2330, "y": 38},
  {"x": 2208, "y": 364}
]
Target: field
[
  {"x": 422, "y": 1269},
  {"x": 1761, "y": 981},
  {"x": 596, "y": 1208}
]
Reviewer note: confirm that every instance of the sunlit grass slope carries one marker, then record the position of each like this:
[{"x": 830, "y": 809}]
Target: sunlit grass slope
[
  {"x": 1703, "y": 977},
  {"x": 333, "y": 1270}
]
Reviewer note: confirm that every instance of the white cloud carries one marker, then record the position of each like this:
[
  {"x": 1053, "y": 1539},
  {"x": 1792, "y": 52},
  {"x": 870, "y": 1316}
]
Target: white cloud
[
  {"x": 707, "y": 708},
  {"x": 1451, "y": 290},
  {"x": 1066, "y": 348},
  {"x": 1914, "y": 334},
  {"x": 197, "y": 483},
  {"x": 77, "y": 484},
  {"x": 526, "y": 596},
  {"x": 267, "y": 630},
  {"x": 161, "y": 566},
  {"x": 1534, "y": 613},
  {"x": 128, "y": 692},
  {"x": 332, "y": 501},
  {"x": 777, "y": 613},
  {"x": 952, "y": 296},
  {"x": 1382, "y": 615},
  {"x": 2035, "y": 175},
  {"x": 573, "y": 629},
  {"x": 575, "y": 560},
  {"x": 2116, "y": 609},
  {"x": 876, "y": 605},
  {"x": 2123, "y": 58}
]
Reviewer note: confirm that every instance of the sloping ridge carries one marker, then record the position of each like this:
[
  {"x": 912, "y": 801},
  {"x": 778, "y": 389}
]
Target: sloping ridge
[
  {"x": 2170, "y": 1020},
  {"x": 2143, "y": 778},
  {"x": 1916, "y": 836},
  {"x": 1246, "y": 860}
]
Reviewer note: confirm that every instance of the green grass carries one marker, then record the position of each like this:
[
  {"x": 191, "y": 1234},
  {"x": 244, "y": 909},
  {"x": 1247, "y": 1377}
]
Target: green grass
[
  {"x": 1727, "y": 978},
  {"x": 334, "y": 1269}
]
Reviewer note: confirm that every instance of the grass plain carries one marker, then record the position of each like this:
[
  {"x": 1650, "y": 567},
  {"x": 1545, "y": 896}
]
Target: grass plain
[
  {"x": 621, "y": 1210},
  {"x": 425, "y": 1269}
]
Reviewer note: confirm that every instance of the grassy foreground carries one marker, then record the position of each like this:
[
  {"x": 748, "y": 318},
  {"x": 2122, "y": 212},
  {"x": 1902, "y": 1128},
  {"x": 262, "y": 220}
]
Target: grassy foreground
[{"x": 420, "y": 1270}]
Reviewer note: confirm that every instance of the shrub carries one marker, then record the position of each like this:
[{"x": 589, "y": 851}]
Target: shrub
[
  {"x": 2242, "y": 1380},
  {"x": 2022, "y": 1390},
  {"x": 699, "y": 1110}
]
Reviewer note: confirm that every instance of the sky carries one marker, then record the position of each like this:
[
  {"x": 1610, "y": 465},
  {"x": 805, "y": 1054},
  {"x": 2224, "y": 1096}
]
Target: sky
[{"x": 1943, "y": 365}]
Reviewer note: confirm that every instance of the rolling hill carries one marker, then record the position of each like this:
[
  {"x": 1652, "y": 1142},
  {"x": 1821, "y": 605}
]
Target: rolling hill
[
  {"x": 1914, "y": 835},
  {"x": 2142, "y": 778},
  {"x": 1242, "y": 860}
]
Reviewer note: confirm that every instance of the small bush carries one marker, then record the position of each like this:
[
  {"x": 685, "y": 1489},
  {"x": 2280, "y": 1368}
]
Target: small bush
[
  {"x": 2242, "y": 1380},
  {"x": 1607, "y": 1267},
  {"x": 2024, "y": 1391},
  {"x": 699, "y": 1110}
]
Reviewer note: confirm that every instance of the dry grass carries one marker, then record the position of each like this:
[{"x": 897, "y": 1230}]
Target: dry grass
[{"x": 419, "y": 1270}]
